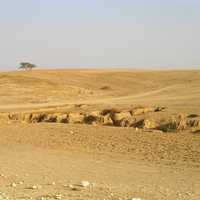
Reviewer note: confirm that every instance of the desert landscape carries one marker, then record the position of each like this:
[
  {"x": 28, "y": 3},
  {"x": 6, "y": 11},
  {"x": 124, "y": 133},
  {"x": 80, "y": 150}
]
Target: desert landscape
[{"x": 100, "y": 134}]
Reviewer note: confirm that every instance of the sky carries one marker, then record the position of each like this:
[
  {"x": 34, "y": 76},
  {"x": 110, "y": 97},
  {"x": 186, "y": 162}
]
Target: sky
[{"x": 100, "y": 33}]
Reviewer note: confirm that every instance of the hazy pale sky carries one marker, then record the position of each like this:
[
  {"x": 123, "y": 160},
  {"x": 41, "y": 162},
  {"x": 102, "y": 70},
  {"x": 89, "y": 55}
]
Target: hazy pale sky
[{"x": 85, "y": 33}]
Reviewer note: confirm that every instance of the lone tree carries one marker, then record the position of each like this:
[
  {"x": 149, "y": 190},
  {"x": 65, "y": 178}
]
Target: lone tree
[{"x": 26, "y": 66}]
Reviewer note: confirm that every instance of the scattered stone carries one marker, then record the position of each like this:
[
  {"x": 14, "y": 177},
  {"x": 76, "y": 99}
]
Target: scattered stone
[
  {"x": 13, "y": 185},
  {"x": 158, "y": 109},
  {"x": 34, "y": 187},
  {"x": 135, "y": 198},
  {"x": 57, "y": 196},
  {"x": 106, "y": 87},
  {"x": 85, "y": 184},
  {"x": 72, "y": 187}
]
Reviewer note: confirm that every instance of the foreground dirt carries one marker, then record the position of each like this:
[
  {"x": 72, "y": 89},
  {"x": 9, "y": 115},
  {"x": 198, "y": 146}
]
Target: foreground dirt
[
  {"x": 50, "y": 160},
  {"x": 118, "y": 162}
]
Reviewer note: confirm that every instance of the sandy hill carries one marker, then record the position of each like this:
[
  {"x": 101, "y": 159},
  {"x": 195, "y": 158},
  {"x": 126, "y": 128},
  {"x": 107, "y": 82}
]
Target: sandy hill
[{"x": 57, "y": 87}]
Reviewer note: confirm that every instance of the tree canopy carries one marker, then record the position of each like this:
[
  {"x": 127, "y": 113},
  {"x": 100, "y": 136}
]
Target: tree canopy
[{"x": 26, "y": 66}]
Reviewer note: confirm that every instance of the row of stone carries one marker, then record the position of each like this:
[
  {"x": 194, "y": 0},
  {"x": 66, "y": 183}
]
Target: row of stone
[{"x": 112, "y": 117}]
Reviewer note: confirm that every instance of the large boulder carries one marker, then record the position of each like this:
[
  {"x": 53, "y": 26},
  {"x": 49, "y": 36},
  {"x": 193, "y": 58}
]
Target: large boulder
[
  {"x": 27, "y": 117},
  {"x": 146, "y": 124},
  {"x": 106, "y": 120},
  {"x": 62, "y": 118},
  {"x": 174, "y": 123},
  {"x": 15, "y": 117},
  {"x": 126, "y": 122},
  {"x": 50, "y": 118},
  {"x": 75, "y": 118},
  {"x": 117, "y": 118},
  {"x": 150, "y": 124},
  {"x": 38, "y": 117},
  {"x": 93, "y": 118}
]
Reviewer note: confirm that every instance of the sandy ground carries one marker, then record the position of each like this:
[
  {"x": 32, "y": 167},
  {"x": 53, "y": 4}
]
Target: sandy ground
[{"x": 119, "y": 163}]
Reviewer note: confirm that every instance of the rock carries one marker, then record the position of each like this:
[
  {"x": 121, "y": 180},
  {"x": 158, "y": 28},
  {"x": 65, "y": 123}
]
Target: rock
[
  {"x": 34, "y": 187},
  {"x": 195, "y": 123},
  {"x": 50, "y": 118},
  {"x": 84, "y": 184},
  {"x": 134, "y": 198},
  {"x": 57, "y": 196},
  {"x": 126, "y": 122},
  {"x": 38, "y": 117},
  {"x": 75, "y": 117},
  {"x": 72, "y": 187},
  {"x": 106, "y": 87},
  {"x": 92, "y": 118},
  {"x": 118, "y": 117},
  {"x": 13, "y": 185},
  {"x": 139, "y": 123},
  {"x": 106, "y": 120},
  {"x": 174, "y": 123},
  {"x": 150, "y": 124},
  {"x": 27, "y": 117},
  {"x": 14, "y": 117},
  {"x": 158, "y": 109},
  {"x": 62, "y": 118}
]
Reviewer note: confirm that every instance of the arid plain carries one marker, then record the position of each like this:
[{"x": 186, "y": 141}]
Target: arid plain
[{"x": 100, "y": 134}]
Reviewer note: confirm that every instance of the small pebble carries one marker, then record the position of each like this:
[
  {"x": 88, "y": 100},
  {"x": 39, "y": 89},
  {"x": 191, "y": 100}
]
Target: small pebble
[
  {"x": 58, "y": 196},
  {"x": 135, "y": 199},
  {"x": 71, "y": 187},
  {"x": 13, "y": 185},
  {"x": 85, "y": 183},
  {"x": 2, "y": 175},
  {"x": 34, "y": 187}
]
